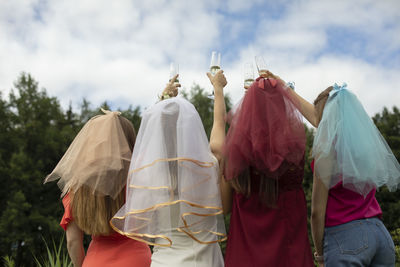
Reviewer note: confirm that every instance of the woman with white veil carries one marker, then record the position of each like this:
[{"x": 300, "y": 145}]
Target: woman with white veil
[{"x": 173, "y": 198}]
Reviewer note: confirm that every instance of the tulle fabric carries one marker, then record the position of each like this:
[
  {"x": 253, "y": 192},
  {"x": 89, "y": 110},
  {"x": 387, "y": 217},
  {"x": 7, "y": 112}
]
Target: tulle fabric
[
  {"x": 349, "y": 148},
  {"x": 266, "y": 132},
  {"x": 231, "y": 114},
  {"x": 98, "y": 157},
  {"x": 173, "y": 180}
]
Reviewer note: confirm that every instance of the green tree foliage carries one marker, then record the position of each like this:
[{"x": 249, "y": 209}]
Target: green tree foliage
[
  {"x": 134, "y": 115},
  {"x": 35, "y": 133},
  {"x": 388, "y": 123},
  {"x": 38, "y": 134},
  {"x": 204, "y": 105},
  {"x": 6, "y": 147}
]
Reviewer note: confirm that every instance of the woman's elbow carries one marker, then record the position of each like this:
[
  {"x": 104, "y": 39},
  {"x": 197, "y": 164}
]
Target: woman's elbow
[
  {"x": 216, "y": 149},
  {"x": 314, "y": 122},
  {"x": 317, "y": 214},
  {"x": 74, "y": 237}
]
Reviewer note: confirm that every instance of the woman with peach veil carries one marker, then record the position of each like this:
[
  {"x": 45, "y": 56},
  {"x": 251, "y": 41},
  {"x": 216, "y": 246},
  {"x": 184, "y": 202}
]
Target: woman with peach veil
[{"x": 92, "y": 177}]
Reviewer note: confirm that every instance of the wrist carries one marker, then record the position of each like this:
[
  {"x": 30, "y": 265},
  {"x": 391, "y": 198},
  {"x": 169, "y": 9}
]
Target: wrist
[
  {"x": 318, "y": 258},
  {"x": 218, "y": 90},
  {"x": 218, "y": 95},
  {"x": 290, "y": 85},
  {"x": 164, "y": 96}
]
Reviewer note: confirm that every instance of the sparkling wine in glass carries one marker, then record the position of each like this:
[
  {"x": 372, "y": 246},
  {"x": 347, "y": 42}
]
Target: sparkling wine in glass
[
  {"x": 248, "y": 75},
  {"x": 261, "y": 66},
  {"x": 215, "y": 66},
  {"x": 173, "y": 70}
]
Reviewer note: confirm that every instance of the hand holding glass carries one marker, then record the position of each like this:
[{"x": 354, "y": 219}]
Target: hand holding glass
[{"x": 173, "y": 70}]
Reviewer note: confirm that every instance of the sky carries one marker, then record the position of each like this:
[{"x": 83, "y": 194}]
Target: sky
[{"x": 120, "y": 51}]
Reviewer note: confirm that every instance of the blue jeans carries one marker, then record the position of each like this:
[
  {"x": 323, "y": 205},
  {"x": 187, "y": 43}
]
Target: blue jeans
[{"x": 364, "y": 242}]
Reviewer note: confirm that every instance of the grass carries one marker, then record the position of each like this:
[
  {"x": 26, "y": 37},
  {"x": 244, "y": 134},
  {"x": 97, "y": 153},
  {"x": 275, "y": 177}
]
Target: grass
[
  {"x": 8, "y": 261},
  {"x": 57, "y": 256}
]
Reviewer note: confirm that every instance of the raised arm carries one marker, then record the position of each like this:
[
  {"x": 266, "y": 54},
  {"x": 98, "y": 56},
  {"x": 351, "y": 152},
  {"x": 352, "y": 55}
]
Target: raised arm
[
  {"x": 217, "y": 137},
  {"x": 306, "y": 108}
]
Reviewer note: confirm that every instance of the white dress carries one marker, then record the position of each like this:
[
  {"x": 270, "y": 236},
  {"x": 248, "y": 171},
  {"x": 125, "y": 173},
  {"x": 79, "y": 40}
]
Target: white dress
[{"x": 185, "y": 251}]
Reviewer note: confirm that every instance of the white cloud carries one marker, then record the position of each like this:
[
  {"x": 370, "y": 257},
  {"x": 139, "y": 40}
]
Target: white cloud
[
  {"x": 296, "y": 45},
  {"x": 120, "y": 50}
]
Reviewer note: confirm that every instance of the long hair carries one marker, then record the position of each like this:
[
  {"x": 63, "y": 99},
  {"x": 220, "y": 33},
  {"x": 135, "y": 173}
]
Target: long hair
[
  {"x": 267, "y": 189},
  {"x": 92, "y": 212}
]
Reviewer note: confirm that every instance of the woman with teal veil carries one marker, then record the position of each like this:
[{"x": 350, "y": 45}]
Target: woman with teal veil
[{"x": 351, "y": 161}]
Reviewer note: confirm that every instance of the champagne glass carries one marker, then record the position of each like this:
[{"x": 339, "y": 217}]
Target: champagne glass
[
  {"x": 248, "y": 75},
  {"x": 215, "y": 66},
  {"x": 173, "y": 70},
  {"x": 261, "y": 66}
]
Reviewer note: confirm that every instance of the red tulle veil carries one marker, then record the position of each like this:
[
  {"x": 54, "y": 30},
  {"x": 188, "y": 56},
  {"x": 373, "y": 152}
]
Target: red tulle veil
[{"x": 266, "y": 132}]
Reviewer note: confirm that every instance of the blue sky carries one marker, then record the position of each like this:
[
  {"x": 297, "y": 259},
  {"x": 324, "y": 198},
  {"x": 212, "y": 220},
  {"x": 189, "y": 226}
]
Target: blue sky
[{"x": 120, "y": 51}]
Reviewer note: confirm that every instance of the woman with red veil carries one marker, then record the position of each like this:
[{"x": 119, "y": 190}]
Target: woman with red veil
[{"x": 264, "y": 164}]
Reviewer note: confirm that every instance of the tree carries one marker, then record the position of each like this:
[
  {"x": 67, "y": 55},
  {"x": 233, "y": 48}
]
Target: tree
[
  {"x": 204, "y": 105},
  {"x": 134, "y": 115},
  {"x": 388, "y": 124},
  {"x": 39, "y": 135},
  {"x": 7, "y": 146},
  {"x": 35, "y": 134}
]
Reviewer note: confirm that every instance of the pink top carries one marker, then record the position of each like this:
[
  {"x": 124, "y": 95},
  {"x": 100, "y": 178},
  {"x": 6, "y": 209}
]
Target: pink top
[{"x": 345, "y": 205}]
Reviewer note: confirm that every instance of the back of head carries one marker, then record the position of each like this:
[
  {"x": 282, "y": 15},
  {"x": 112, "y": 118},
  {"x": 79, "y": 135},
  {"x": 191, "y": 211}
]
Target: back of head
[
  {"x": 348, "y": 147},
  {"x": 320, "y": 101},
  {"x": 169, "y": 118},
  {"x": 267, "y": 136},
  {"x": 93, "y": 211},
  {"x": 129, "y": 131},
  {"x": 172, "y": 183}
]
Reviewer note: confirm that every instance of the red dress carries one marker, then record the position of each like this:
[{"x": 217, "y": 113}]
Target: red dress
[
  {"x": 112, "y": 250},
  {"x": 261, "y": 236}
]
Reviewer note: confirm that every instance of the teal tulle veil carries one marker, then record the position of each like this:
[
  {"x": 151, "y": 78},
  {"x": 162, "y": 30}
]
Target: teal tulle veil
[{"x": 349, "y": 148}]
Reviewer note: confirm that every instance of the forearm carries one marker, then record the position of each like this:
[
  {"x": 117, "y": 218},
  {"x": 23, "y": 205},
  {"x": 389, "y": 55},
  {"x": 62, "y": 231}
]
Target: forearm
[
  {"x": 75, "y": 244},
  {"x": 319, "y": 201},
  {"x": 226, "y": 195},
  {"x": 76, "y": 253},
  {"x": 317, "y": 231},
  {"x": 217, "y": 140},
  {"x": 306, "y": 108},
  {"x": 217, "y": 137}
]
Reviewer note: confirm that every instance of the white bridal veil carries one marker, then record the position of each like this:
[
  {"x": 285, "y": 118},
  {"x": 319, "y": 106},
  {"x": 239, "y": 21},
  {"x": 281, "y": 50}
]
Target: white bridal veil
[{"x": 173, "y": 179}]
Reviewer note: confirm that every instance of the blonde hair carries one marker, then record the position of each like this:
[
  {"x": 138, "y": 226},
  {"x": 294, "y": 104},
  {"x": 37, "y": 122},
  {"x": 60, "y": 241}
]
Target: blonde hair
[{"x": 92, "y": 212}]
